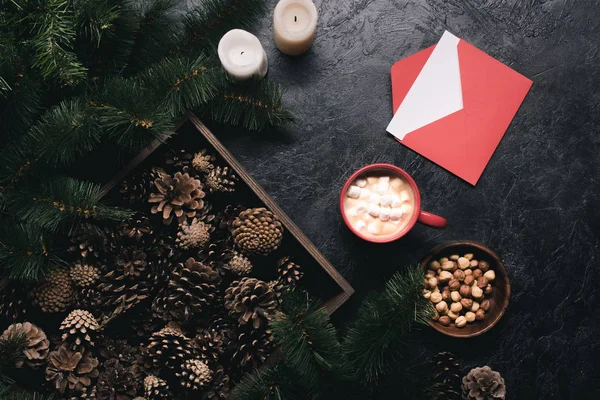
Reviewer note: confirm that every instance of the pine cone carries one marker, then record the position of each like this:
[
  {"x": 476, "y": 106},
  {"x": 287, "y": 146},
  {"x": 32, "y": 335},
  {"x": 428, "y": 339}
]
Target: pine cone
[
  {"x": 169, "y": 347},
  {"x": 179, "y": 160},
  {"x": 203, "y": 162},
  {"x": 220, "y": 180},
  {"x": 219, "y": 387},
  {"x": 120, "y": 350},
  {"x": 238, "y": 263},
  {"x": 132, "y": 261},
  {"x": 226, "y": 218},
  {"x": 80, "y": 328},
  {"x": 444, "y": 377},
  {"x": 483, "y": 384},
  {"x": 257, "y": 231},
  {"x": 138, "y": 230},
  {"x": 194, "y": 374},
  {"x": 194, "y": 235},
  {"x": 180, "y": 196},
  {"x": 13, "y": 300},
  {"x": 116, "y": 382},
  {"x": 55, "y": 293},
  {"x": 156, "y": 388},
  {"x": 83, "y": 275},
  {"x": 209, "y": 344},
  {"x": 36, "y": 344},
  {"x": 250, "y": 299},
  {"x": 135, "y": 187},
  {"x": 71, "y": 370},
  {"x": 289, "y": 272},
  {"x": 90, "y": 242},
  {"x": 191, "y": 291},
  {"x": 250, "y": 347}
]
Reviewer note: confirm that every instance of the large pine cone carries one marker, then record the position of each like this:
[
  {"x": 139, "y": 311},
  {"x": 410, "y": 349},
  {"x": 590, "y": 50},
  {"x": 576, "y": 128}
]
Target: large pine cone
[
  {"x": 483, "y": 384},
  {"x": 138, "y": 230},
  {"x": 116, "y": 382},
  {"x": 83, "y": 275},
  {"x": 250, "y": 347},
  {"x": 13, "y": 300},
  {"x": 36, "y": 345},
  {"x": 203, "y": 162},
  {"x": 250, "y": 299},
  {"x": 289, "y": 272},
  {"x": 191, "y": 291},
  {"x": 55, "y": 292},
  {"x": 169, "y": 347},
  {"x": 195, "y": 234},
  {"x": 80, "y": 328},
  {"x": 132, "y": 261},
  {"x": 90, "y": 242},
  {"x": 257, "y": 231},
  {"x": 209, "y": 344},
  {"x": 156, "y": 388},
  {"x": 70, "y": 370},
  {"x": 194, "y": 374},
  {"x": 219, "y": 387},
  {"x": 444, "y": 377},
  {"x": 220, "y": 180},
  {"x": 178, "y": 196}
]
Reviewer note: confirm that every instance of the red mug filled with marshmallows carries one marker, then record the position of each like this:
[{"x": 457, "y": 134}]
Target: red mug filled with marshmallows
[{"x": 380, "y": 203}]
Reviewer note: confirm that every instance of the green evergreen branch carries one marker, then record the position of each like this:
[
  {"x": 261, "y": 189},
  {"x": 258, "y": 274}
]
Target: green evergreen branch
[
  {"x": 7, "y": 392},
  {"x": 384, "y": 322},
  {"x": 16, "y": 164},
  {"x": 95, "y": 19},
  {"x": 273, "y": 382},
  {"x": 256, "y": 105},
  {"x": 11, "y": 352},
  {"x": 61, "y": 202}
]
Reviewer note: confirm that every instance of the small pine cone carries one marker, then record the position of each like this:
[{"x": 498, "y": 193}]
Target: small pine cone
[
  {"x": 138, "y": 230},
  {"x": 194, "y": 235},
  {"x": 194, "y": 374},
  {"x": 278, "y": 288},
  {"x": 13, "y": 301},
  {"x": 289, "y": 272},
  {"x": 156, "y": 388},
  {"x": 220, "y": 180},
  {"x": 444, "y": 377},
  {"x": 239, "y": 264},
  {"x": 169, "y": 347},
  {"x": 120, "y": 350},
  {"x": 257, "y": 231},
  {"x": 209, "y": 344},
  {"x": 203, "y": 162},
  {"x": 226, "y": 217},
  {"x": 36, "y": 345},
  {"x": 79, "y": 328},
  {"x": 54, "y": 293},
  {"x": 132, "y": 261},
  {"x": 250, "y": 347},
  {"x": 84, "y": 275},
  {"x": 116, "y": 382},
  {"x": 483, "y": 384},
  {"x": 250, "y": 299},
  {"x": 179, "y": 160},
  {"x": 219, "y": 387},
  {"x": 134, "y": 188}
]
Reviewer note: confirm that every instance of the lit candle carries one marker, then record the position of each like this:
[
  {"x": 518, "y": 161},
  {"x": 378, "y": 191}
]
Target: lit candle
[
  {"x": 242, "y": 55},
  {"x": 294, "y": 25}
]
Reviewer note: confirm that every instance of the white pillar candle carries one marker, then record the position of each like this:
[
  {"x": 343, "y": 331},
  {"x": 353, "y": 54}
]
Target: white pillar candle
[
  {"x": 242, "y": 55},
  {"x": 294, "y": 25}
]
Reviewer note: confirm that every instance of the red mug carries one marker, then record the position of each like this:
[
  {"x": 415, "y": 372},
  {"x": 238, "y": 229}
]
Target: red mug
[{"x": 418, "y": 215}]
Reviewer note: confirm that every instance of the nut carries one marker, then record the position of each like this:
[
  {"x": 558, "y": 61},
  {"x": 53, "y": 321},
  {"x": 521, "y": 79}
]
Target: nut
[
  {"x": 484, "y": 265},
  {"x": 466, "y": 303},
  {"x": 474, "y": 263},
  {"x": 469, "y": 279},
  {"x": 475, "y": 306},
  {"x": 488, "y": 289},
  {"x": 430, "y": 274},
  {"x": 485, "y": 305},
  {"x": 452, "y": 315},
  {"x": 435, "y": 315},
  {"x": 444, "y": 277},
  {"x": 463, "y": 263},
  {"x": 469, "y": 256},
  {"x": 476, "y": 292},
  {"x": 453, "y": 284},
  {"x": 468, "y": 272},
  {"x": 455, "y": 296},
  {"x": 436, "y": 297},
  {"x": 445, "y": 320},
  {"x": 490, "y": 275},
  {"x": 465, "y": 291},
  {"x": 479, "y": 314},
  {"x": 446, "y": 295},
  {"x": 433, "y": 282},
  {"x": 460, "y": 322},
  {"x": 470, "y": 316},
  {"x": 477, "y": 273},
  {"x": 434, "y": 265},
  {"x": 482, "y": 282},
  {"x": 455, "y": 307},
  {"x": 427, "y": 294},
  {"x": 448, "y": 266},
  {"x": 442, "y": 307},
  {"x": 459, "y": 275},
  {"x": 443, "y": 260},
  {"x": 454, "y": 257}
]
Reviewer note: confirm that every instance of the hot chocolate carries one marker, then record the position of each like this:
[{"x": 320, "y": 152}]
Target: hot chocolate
[{"x": 379, "y": 205}]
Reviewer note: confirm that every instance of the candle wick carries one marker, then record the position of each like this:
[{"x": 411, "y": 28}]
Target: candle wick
[{"x": 295, "y": 18}]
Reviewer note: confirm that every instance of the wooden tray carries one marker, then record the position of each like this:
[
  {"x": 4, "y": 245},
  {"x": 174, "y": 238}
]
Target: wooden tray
[{"x": 334, "y": 292}]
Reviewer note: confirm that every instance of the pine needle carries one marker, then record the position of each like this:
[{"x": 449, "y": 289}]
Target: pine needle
[{"x": 274, "y": 382}]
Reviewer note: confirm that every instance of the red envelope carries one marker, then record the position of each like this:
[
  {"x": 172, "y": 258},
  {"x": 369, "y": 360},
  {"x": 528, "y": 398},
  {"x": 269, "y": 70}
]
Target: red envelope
[{"x": 462, "y": 141}]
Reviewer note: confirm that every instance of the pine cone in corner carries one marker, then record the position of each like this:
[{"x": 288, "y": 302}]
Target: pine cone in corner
[
  {"x": 83, "y": 275},
  {"x": 483, "y": 384},
  {"x": 71, "y": 371},
  {"x": 203, "y": 162},
  {"x": 256, "y": 231},
  {"x": 178, "y": 196},
  {"x": 80, "y": 328},
  {"x": 250, "y": 299},
  {"x": 194, "y": 374},
  {"x": 156, "y": 388},
  {"x": 444, "y": 377},
  {"x": 169, "y": 347},
  {"x": 55, "y": 292},
  {"x": 116, "y": 382},
  {"x": 289, "y": 272},
  {"x": 220, "y": 180},
  {"x": 219, "y": 387},
  {"x": 36, "y": 344}
]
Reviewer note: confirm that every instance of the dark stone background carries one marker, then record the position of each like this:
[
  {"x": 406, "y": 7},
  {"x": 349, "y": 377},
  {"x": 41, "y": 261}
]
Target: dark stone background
[{"x": 536, "y": 204}]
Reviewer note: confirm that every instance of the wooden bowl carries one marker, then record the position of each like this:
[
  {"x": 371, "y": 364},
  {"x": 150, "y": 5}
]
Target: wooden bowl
[{"x": 500, "y": 294}]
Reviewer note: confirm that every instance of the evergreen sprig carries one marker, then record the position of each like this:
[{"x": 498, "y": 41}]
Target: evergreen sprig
[
  {"x": 11, "y": 352},
  {"x": 273, "y": 382},
  {"x": 95, "y": 20},
  {"x": 381, "y": 330}
]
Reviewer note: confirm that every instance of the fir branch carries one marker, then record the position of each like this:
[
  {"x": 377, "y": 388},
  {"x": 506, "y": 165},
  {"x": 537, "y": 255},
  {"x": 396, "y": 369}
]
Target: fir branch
[
  {"x": 307, "y": 340},
  {"x": 17, "y": 163},
  {"x": 61, "y": 202},
  {"x": 95, "y": 19},
  {"x": 384, "y": 322},
  {"x": 25, "y": 251},
  {"x": 11, "y": 350},
  {"x": 213, "y": 18},
  {"x": 8, "y": 392},
  {"x": 65, "y": 133},
  {"x": 273, "y": 382},
  {"x": 256, "y": 105},
  {"x": 183, "y": 84},
  {"x": 4, "y": 87}
]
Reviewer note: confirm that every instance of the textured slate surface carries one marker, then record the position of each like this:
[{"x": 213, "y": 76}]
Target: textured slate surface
[{"x": 537, "y": 203}]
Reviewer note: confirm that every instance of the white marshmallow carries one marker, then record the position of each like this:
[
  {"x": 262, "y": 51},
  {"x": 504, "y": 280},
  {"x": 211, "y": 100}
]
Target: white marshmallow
[
  {"x": 361, "y": 183},
  {"x": 383, "y": 187},
  {"x": 374, "y": 198},
  {"x": 374, "y": 210},
  {"x": 360, "y": 225},
  {"x": 396, "y": 200},
  {"x": 385, "y": 179},
  {"x": 386, "y": 200},
  {"x": 385, "y": 213},
  {"x": 396, "y": 183},
  {"x": 361, "y": 208},
  {"x": 354, "y": 192},
  {"x": 404, "y": 196},
  {"x": 372, "y": 228},
  {"x": 396, "y": 214},
  {"x": 364, "y": 193},
  {"x": 406, "y": 208},
  {"x": 351, "y": 212}
]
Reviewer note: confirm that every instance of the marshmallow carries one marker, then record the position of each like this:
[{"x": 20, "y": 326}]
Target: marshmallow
[
  {"x": 385, "y": 179},
  {"x": 371, "y": 180},
  {"x": 396, "y": 183},
  {"x": 372, "y": 228},
  {"x": 406, "y": 208},
  {"x": 384, "y": 213},
  {"x": 360, "y": 225},
  {"x": 386, "y": 200},
  {"x": 383, "y": 187},
  {"x": 351, "y": 212},
  {"x": 396, "y": 214},
  {"x": 396, "y": 200},
  {"x": 361, "y": 183},
  {"x": 374, "y": 198},
  {"x": 373, "y": 210},
  {"x": 404, "y": 196},
  {"x": 361, "y": 208},
  {"x": 364, "y": 193},
  {"x": 353, "y": 191}
]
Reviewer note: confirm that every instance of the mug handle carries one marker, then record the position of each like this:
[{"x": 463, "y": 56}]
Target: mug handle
[{"x": 432, "y": 220}]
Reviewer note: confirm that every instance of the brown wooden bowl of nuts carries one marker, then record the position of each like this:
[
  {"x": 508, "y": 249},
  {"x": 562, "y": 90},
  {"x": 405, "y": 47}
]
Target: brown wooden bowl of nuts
[{"x": 468, "y": 286}]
